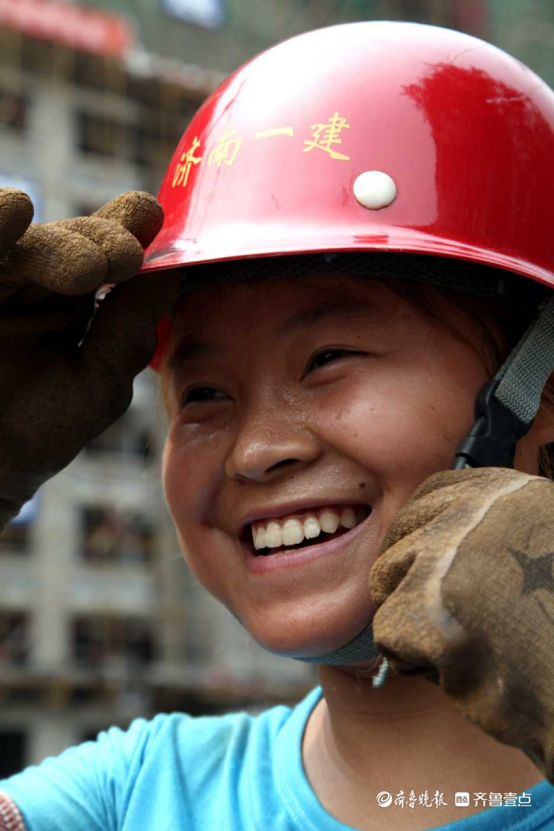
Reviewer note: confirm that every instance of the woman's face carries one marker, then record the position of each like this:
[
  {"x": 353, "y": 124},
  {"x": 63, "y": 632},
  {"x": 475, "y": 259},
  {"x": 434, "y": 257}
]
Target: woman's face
[{"x": 296, "y": 401}]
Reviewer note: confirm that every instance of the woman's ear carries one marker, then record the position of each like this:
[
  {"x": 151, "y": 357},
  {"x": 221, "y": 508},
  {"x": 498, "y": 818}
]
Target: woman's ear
[
  {"x": 540, "y": 434},
  {"x": 543, "y": 426}
]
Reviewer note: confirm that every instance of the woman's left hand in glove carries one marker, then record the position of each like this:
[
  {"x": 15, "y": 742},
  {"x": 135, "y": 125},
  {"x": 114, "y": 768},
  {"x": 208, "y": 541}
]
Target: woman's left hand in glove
[{"x": 465, "y": 593}]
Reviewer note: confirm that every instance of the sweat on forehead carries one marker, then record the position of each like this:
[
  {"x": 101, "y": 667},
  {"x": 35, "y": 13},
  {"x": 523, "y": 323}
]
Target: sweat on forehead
[
  {"x": 327, "y": 306},
  {"x": 487, "y": 293},
  {"x": 337, "y": 289}
]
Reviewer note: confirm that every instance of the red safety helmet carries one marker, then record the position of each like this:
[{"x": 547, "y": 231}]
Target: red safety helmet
[{"x": 372, "y": 136}]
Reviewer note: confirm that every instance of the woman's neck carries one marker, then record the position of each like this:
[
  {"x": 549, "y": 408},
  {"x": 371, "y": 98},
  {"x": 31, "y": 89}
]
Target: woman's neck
[{"x": 407, "y": 737}]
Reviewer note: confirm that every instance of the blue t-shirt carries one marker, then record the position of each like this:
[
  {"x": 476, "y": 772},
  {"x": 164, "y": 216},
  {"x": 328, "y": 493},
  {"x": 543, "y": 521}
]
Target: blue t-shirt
[{"x": 235, "y": 773}]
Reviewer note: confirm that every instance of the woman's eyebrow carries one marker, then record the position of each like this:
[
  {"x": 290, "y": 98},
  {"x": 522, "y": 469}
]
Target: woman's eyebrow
[
  {"x": 189, "y": 350},
  {"x": 337, "y": 311}
]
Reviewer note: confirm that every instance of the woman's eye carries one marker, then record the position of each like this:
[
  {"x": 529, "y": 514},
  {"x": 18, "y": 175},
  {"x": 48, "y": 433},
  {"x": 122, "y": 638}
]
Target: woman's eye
[
  {"x": 200, "y": 394},
  {"x": 326, "y": 356}
]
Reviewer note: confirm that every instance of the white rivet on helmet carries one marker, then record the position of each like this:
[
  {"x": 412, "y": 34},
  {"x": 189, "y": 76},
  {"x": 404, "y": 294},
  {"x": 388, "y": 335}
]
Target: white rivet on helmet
[{"x": 374, "y": 189}]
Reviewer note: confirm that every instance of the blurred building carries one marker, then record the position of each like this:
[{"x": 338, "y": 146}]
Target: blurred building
[
  {"x": 100, "y": 619},
  {"x": 79, "y": 119}
]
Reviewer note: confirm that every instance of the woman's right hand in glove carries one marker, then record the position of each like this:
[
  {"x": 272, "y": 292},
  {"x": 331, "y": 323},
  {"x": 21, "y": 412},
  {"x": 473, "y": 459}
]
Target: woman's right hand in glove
[{"x": 66, "y": 371}]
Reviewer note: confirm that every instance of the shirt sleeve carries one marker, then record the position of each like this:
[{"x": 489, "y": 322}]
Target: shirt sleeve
[{"x": 86, "y": 787}]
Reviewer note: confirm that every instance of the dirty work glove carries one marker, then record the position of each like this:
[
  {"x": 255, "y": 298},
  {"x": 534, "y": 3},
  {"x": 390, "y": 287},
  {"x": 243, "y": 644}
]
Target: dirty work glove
[
  {"x": 61, "y": 382},
  {"x": 465, "y": 593}
]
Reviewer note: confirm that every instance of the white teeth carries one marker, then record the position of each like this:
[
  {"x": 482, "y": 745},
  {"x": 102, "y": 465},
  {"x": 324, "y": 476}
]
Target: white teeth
[
  {"x": 273, "y": 535},
  {"x": 329, "y": 521},
  {"x": 259, "y": 538},
  {"x": 348, "y": 518},
  {"x": 312, "y": 528},
  {"x": 292, "y": 532}
]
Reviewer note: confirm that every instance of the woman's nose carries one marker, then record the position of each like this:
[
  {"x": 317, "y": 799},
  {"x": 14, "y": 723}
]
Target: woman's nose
[{"x": 262, "y": 453}]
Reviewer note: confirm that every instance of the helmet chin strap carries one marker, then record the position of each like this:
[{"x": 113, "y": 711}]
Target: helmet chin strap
[
  {"x": 360, "y": 648},
  {"x": 505, "y": 410}
]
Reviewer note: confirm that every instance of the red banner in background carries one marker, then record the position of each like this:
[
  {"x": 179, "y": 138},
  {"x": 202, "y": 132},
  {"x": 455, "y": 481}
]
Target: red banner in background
[{"x": 79, "y": 28}]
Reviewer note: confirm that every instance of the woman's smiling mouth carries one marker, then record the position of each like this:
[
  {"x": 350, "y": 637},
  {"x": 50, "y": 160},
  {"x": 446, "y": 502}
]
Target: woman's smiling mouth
[
  {"x": 271, "y": 536},
  {"x": 307, "y": 526}
]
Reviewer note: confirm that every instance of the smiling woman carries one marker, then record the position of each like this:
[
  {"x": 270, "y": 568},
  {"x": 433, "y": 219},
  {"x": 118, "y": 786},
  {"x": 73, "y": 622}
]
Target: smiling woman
[
  {"x": 332, "y": 382},
  {"x": 348, "y": 289},
  {"x": 335, "y": 383}
]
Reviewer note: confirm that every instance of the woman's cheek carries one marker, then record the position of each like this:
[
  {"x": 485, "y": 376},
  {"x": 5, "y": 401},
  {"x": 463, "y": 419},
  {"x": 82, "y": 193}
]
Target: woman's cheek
[
  {"x": 398, "y": 426},
  {"x": 186, "y": 476},
  {"x": 187, "y": 486},
  {"x": 201, "y": 548}
]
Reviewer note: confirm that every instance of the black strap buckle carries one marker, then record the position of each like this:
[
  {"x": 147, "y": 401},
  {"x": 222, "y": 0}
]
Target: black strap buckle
[{"x": 492, "y": 439}]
